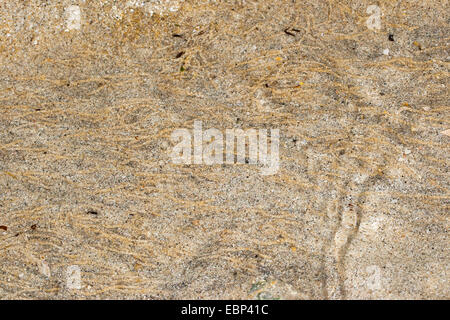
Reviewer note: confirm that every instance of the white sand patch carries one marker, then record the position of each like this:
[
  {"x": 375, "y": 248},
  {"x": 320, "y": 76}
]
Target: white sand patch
[
  {"x": 73, "y": 18},
  {"x": 161, "y": 7},
  {"x": 73, "y": 277},
  {"x": 44, "y": 268}
]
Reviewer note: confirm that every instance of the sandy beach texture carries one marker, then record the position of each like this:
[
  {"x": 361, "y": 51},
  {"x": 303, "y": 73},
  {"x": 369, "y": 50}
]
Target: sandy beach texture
[{"x": 92, "y": 206}]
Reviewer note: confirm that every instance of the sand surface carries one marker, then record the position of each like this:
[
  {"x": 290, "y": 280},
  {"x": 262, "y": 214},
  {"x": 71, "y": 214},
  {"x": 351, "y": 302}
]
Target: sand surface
[{"x": 92, "y": 206}]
